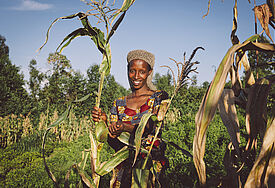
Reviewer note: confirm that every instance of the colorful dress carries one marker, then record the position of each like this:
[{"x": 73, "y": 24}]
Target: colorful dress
[{"x": 120, "y": 112}]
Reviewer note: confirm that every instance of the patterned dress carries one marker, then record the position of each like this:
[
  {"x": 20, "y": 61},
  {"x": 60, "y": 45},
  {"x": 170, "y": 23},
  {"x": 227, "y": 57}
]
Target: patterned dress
[{"x": 120, "y": 112}]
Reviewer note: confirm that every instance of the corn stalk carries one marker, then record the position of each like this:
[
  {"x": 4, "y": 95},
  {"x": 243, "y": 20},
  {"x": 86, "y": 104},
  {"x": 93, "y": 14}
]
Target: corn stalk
[
  {"x": 210, "y": 100},
  {"x": 112, "y": 19}
]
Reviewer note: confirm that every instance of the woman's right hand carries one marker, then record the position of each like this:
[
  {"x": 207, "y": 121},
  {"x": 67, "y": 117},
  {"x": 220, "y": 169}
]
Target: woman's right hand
[
  {"x": 115, "y": 129},
  {"x": 98, "y": 115}
]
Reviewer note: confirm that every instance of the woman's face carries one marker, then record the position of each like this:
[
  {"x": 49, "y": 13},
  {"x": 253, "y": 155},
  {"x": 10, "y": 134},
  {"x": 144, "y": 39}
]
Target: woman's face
[{"x": 138, "y": 72}]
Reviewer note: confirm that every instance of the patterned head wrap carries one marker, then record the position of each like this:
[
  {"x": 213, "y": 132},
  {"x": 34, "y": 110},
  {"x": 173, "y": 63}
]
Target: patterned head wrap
[{"x": 148, "y": 58}]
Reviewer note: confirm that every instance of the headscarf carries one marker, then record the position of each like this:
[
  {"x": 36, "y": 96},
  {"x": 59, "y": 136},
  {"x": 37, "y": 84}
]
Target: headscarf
[{"x": 148, "y": 58}]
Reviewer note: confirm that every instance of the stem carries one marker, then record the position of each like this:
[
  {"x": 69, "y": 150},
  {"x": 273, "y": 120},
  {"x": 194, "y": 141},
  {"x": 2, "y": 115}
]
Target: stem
[
  {"x": 155, "y": 137},
  {"x": 100, "y": 89},
  {"x": 257, "y": 52}
]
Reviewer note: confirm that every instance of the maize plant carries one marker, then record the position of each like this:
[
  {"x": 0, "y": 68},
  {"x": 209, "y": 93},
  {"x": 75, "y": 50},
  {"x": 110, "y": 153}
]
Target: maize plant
[
  {"x": 253, "y": 99},
  {"x": 111, "y": 17}
]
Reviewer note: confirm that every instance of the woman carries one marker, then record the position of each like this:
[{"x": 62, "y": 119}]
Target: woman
[{"x": 127, "y": 112}]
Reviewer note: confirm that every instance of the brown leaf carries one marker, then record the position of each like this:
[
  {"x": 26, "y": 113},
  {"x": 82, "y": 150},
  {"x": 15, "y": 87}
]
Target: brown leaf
[
  {"x": 263, "y": 171},
  {"x": 256, "y": 110},
  {"x": 263, "y": 14},
  {"x": 229, "y": 117},
  {"x": 210, "y": 101}
]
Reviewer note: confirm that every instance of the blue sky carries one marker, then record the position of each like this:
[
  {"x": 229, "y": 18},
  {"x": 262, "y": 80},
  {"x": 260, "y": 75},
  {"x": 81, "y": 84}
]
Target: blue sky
[{"x": 166, "y": 28}]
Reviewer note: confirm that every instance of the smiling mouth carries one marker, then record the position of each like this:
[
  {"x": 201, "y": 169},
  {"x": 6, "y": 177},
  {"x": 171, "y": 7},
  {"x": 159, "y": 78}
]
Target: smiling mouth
[{"x": 136, "y": 82}]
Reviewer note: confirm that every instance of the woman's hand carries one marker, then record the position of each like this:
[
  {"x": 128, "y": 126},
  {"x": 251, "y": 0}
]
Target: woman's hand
[
  {"x": 98, "y": 115},
  {"x": 116, "y": 128}
]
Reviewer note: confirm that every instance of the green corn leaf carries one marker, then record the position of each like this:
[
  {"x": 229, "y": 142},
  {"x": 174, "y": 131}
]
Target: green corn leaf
[
  {"x": 125, "y": 6},
  {"x": 57, "y": 122},
  {"x": 185, "y": 152},
  {"x": 77, "y": 33},
  {"x": 84, "y": 176},
  {"x": 140, "y": 178},
  {"x": 56, "y": 20},
  {"x": 95, "y": 34},
  {"x": 61, "y": 118},
  {"x": 101, "y": 131},
  {"x": 114, "y": 28},
  {"x": 83, "y": 98},
  {"x": 124, "y": 137},
  {"x": 115, "y": 160},
  {"x": 139, "y": 133}
]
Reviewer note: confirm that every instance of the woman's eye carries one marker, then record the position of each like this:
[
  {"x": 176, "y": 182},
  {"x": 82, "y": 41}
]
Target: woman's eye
[
  {"x": 142, "y": 72},
  {"x": 131, "y": 71}
]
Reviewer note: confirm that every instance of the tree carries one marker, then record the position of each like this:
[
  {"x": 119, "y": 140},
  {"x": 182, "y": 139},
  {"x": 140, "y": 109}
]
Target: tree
[
  {"x": 4, "y": 49},
  {"x": 54, "y": 91},
  {"x": 111, "y": 89},
  {"x": 35, "y": 80},
  {"x": 13, "y": 96},
  {"x": 262, "y": 63}
]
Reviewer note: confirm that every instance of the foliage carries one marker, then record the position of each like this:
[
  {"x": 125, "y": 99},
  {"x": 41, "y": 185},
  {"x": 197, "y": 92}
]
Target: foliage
[{"x": 13, "y": 96}]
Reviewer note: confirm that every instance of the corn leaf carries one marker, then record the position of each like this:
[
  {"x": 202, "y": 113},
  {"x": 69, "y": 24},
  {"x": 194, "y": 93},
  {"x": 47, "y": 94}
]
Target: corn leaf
[
  {"x": 229, "y": 117},
  {"x": 263, "y": 14},
  {"x": 271, "y": 6},
  {"x": 83, "y": 98},
  {"x": 115, "y": 160},
  {"x": 249, "y": 78},
  {"x": 56, "y": 20},
  {"x": 124, "y": 138},
  {"x": 140, "y": 178},
  {"x": 95, "y": 34},
  {"x": 57, "y": 122},
  {"x": 84, "y": 176},
  {"x": 265, "y": 160},
  {"x": 101, "y": 131},
  {"x": 66, "y": 184},
  {"x": 125, "y": 6},
  {"x": 185, "y": 152},
  {"x": 139, "y": 132},
  {"x": 210, "y": 100},
  {"x": 163, "y": 109},
  {"x": 77, "y": 33},
  {"x": 256, "y": 109},
  {"x": 114, "y": 28}
]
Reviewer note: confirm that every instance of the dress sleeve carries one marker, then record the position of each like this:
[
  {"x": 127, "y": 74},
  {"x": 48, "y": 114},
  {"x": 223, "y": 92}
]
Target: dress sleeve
[{"x": 114, "y": 142}]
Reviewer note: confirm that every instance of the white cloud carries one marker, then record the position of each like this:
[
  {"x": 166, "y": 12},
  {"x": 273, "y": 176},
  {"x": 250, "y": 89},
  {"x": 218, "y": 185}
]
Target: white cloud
[{"x": 32, "y": 5}]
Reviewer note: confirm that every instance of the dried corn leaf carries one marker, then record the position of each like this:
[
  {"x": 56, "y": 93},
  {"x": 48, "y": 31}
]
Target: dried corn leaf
[
  {"x": 263, "y": 14},
  {"x": 263, "y": 171},
  {"x": 163, "y": 109},
  {"x": 229, "y": 117},
  {"x": 271, "y": 6},
  {"x": 85, "y": 177},
  {"x": 249, "y": 78},
  {"x": 256, "y": 110},
  {"x": 210, "y": 101}
]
